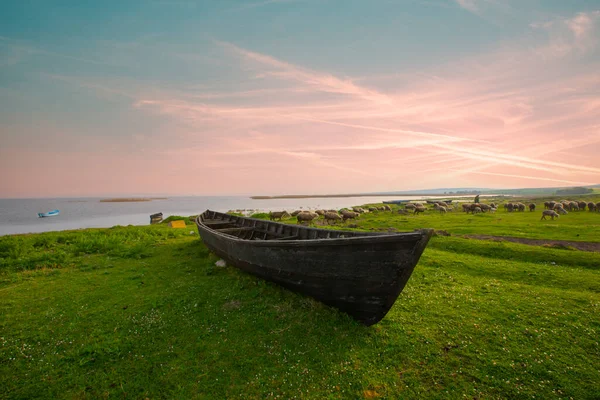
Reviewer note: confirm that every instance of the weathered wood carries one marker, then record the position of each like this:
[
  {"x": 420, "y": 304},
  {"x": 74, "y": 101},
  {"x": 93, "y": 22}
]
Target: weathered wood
[
  {"x": 215, "y": 223},
  {"x": 236, "y": 229},
  {"x": 360, "y": 273}
]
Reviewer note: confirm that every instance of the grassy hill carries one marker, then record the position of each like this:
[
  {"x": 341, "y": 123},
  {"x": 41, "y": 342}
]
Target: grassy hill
[{"x": 143, "y": 312}]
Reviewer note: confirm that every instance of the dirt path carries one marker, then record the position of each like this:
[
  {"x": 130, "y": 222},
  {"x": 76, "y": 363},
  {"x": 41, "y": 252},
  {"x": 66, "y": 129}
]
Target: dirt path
[{"x": 583, "y": 246}]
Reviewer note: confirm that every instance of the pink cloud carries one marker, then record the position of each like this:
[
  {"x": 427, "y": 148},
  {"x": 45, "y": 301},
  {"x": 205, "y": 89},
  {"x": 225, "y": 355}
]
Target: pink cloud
[
  {"x": 466, "y": 120},
  {"x": 506, "y": 118}
]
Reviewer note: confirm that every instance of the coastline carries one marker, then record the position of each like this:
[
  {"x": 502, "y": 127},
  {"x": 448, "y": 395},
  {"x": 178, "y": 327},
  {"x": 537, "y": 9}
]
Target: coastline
[
  {"x": 131, "y": 199},
  {"x": 18, "y": 216},
  {"x": 327, "y": 196}
]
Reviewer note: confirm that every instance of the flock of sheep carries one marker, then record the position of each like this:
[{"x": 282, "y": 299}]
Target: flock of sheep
[
  {"x": 552, "y": 209},
  {"x": 329, "y": 216}
]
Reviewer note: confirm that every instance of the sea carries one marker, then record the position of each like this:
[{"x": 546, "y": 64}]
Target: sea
[{"x": 21, "y": 215}]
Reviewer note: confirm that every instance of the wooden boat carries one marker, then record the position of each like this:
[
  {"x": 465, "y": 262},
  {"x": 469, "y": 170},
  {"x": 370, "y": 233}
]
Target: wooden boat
[
  {"x": 52, "y": 213},
  {"x": 156, "y": 218},
  {"x": 360, "y": 273}
]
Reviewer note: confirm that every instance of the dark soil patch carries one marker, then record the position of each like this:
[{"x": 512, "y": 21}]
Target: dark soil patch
[{"x": 557, "y": 244}]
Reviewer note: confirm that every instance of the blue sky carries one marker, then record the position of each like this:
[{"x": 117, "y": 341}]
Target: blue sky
[{"x": 126, "y": 97}]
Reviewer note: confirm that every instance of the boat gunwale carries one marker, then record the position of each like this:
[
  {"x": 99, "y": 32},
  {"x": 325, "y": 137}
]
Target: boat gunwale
[{"x": 366, "y": 237}]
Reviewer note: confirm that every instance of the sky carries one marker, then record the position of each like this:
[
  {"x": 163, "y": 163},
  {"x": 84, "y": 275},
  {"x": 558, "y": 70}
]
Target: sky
[{"x": 266, "y": 97}]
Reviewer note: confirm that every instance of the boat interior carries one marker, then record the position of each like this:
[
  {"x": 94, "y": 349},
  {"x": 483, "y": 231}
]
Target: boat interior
[{"x": 256, "y": 229}]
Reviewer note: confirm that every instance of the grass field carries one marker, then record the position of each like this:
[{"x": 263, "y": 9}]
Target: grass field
[
  {"x": 143, "y": 312},
  {"x": 576, "y": 226}
]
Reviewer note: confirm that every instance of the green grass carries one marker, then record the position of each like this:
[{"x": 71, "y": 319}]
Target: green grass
[
  {"x": 188, "y": 220},
  {"x": 575, "y": 226},
  {"x": 143, "y": 312}
]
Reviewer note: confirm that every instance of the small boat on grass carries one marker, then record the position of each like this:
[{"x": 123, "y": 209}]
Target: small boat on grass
[
  {"x": 156, "y": 218},
  {"x": 360, "y": 273},
  {"x": 52, "y": 213}
]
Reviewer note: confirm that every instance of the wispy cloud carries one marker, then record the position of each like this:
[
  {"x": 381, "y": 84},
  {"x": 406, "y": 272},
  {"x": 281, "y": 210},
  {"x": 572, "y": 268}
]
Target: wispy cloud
[
  {"x": 469, "y": 5},
  {"x": 445, "y": 107},
  {"x": 582, "y": 24},
  {"x": 568, "y": 34},
  {"x": 317, "y": 81},
  {"x": 504, "y": 116}
]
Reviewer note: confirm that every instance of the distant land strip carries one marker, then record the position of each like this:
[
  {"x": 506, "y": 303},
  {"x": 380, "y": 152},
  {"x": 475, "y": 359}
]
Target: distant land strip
[
  {"x": 131, "y": 199},
  {"x": 309, "y": 196}
]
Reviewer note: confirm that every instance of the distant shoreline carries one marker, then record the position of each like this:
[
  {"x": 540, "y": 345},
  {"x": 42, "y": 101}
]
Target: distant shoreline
[
  {"x": 310, "y": 196},
  {"x": 131, "y": 199}
]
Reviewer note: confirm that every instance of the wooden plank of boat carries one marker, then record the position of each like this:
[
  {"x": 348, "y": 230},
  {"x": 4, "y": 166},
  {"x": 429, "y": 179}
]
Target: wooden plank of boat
[{"x": 360, "y": 273}]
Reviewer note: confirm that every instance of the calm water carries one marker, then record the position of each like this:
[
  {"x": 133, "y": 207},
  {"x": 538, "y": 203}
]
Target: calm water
[{"x": 20, "y": 215}]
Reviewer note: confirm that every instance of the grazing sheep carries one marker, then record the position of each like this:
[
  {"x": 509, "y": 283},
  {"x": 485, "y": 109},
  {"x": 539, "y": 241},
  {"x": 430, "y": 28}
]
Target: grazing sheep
[
  {"x": 591, "y": 206},
  {"x": 273, "y": 215},
  {"x": 418, "y": 210},
  {"x": 320, "y": 212},
  {"x": 532, "y": 207},
  {"x": 520, "y": 207},
  {"x": 484, "y": 207},
  {"x": 306, "y": 216},
  {"x": 358, "y": 210},
  {"x": 549, "y": 213},
  {"x": 466, "y": 207},
  {"x": 474, "y": 206},
  {"x": 477, "y": 210},
  {"x": 598, "y": 206},
  {"x": 546, "y": 205},
  {"x": 493, "y": 210},
  {"x": 387, "y": 208},
  {"x": 442, "y": 209},
  {"x": 443, "y": 204},
  {"x": 381, "y": 208},
  {"x": 332, "y": 217},
  {"x": 296, "y": 213},
  {"x": 372, "y": 209},
  {"x": 510, "y": 207},
  {"x": 493, "y": 205},
  {"x": 560, "y": 210},
  {"x": 410, "y": 206},
  {"x": 349, "y": 215},
  {"x": 582, "y": 205}
]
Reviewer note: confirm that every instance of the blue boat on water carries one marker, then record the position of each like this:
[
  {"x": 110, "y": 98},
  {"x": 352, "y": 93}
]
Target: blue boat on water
[{"x": 49, "y": 213}]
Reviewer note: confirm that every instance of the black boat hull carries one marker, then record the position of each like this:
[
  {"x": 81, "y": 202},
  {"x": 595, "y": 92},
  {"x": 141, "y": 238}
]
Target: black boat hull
[{"x": 361, "y": 274}]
